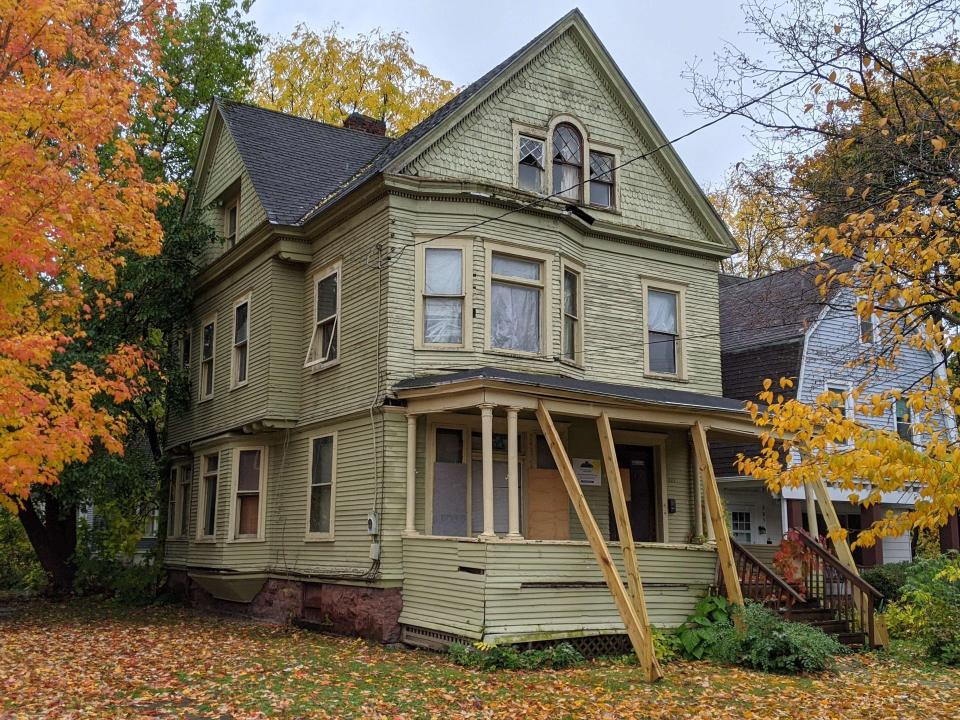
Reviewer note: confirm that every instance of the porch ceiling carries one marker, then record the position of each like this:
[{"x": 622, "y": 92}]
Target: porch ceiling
[{"x": 575, "y": 397}]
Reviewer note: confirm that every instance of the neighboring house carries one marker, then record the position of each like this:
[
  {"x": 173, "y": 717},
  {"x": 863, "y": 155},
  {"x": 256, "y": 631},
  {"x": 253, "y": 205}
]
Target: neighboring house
[
  {"x": 371, "y": 341},
  {"x": 778, "y": 326}
]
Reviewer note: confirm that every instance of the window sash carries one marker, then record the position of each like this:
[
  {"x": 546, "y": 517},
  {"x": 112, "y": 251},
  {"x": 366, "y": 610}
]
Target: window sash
[
  {"x": 247, "y": 496},
  {"x": 172, "y": 502},
  {"x": 571, "y": 314},
  {"x": 183, "y": 499},
  {"x": 241, "y": 336},
  {"x": 322, "y": 474},
  {"x": 520, "y": 281},
  {"x": 867, "y": 330},
  {"x": 444, "y": 296},
  {"x": 211, "y": 472},
  {"x": 208, "y": 339},
  {"x": 567, "y": 154},
  {"x": 325, "y": 341},
  {"x": 230, "y": 222},
  {"x": 185, "y": 340},
  {"x": 530, "y": 163},
  {"x": 601, "y": 179},
  {"x": 903, "y": 420}
]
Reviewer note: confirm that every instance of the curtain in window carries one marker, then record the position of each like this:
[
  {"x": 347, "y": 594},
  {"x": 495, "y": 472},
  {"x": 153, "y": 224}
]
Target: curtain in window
[
  {"x": 443, "y": 291},
  {"x": 567, "y": 162},
  {"x": 515, "y": 317},
  {"x": 662, "y": 327}
]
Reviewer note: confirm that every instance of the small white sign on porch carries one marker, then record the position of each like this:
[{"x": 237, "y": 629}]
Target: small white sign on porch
[{"x": 586, "y": 470}]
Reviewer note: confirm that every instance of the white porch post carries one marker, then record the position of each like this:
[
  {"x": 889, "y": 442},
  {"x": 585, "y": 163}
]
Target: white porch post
[
  {"x": 513, "y": 476},
  {"x": 411, "y": 526},
  {"x": 486, "y": 429},
  {"x": 811, "y": 511}
]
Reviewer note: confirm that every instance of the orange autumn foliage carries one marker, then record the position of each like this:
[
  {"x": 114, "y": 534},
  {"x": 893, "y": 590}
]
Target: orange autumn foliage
[{"x": 73, "y": 198}]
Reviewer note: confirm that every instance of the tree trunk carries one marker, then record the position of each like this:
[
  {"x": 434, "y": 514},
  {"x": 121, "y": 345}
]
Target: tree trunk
[{"x": 54, "y": 539}]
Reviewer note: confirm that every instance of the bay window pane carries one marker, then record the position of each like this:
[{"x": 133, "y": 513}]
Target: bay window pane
[
  {"x": 248, "y": 472},
  {"x": 248, "y": 514},
  {"x": 515, "y": 267},
  {"x": 569, "y": 338},
  {"x": 570, "y": 293},
  {"x": 443, "y": 320},
  {"x": 444, "y": 271},
  {"x": 663, "y": 352},
  {"x": 240, "y": 324},
  {"x": 662, "y": 311},
  {"x": 210, "y": 505},
  {"x": 515, "y": 317}
]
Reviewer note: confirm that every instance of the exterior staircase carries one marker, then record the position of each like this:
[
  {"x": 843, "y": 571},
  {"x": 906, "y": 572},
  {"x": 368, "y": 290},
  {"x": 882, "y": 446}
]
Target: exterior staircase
[{"x": 837, "y": 601}]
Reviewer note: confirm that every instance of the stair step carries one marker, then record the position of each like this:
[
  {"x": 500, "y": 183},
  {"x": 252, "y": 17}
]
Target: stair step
[
  {"x": 809, "y": 616},
  {"x": 832, "y": 627},
  {"x": 851, "y": 638}
]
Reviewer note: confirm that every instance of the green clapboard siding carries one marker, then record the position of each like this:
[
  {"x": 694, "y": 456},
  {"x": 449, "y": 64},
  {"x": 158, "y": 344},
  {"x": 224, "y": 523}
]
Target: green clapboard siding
[{"x": 528, "y": 590}]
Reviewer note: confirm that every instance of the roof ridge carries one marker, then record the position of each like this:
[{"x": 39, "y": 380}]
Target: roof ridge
[
  {"x": 252, "y": 106},
  {"x": 781, "y": 271}
]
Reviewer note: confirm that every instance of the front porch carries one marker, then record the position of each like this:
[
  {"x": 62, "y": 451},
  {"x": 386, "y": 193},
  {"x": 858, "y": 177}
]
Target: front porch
[{"x": 494, "y": 548}]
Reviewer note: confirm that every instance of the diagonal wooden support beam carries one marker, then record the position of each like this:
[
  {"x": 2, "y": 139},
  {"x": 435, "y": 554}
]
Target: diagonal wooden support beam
[
  {"x": 829, "y": 513},
  {"x": 640, "y": 638},
  {"x": 731, "y": 578}
]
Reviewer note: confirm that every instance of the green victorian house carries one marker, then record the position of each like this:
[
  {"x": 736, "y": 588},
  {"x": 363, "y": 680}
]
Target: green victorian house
[{"x": 374, "y": 336}]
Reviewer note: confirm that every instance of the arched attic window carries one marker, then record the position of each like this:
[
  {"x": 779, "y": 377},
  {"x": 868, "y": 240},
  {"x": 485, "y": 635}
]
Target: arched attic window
[{"x": 567, "y": 162}]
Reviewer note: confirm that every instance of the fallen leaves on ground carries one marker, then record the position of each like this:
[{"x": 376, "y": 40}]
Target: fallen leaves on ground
[{"x": 91, "y": 660}]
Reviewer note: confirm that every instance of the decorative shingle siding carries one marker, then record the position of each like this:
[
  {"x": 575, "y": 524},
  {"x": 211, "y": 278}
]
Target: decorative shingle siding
[{"x": 561, "y": 80}]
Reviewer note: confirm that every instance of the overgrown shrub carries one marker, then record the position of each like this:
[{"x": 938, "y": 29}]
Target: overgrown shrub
[
  {"x": 888, "y": 579},
  {"x": 19, "y": 567},
  {"x": 507, "y": 657},
  {"x": 770, "y": 643},
  {"x": 699, "y": 632},
  {"x": 666, "y": 645},
  {"x": 929, "y": 607}
]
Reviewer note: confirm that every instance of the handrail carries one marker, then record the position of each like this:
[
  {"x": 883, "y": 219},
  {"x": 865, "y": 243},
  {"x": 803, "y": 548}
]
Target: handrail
[
  {"x": 818, "y": 549},
  {"x": 841, "y": 590},
  {"x": 778, "y": 581}
]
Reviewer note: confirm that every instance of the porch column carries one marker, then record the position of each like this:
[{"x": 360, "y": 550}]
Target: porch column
[
  {"x": 812, "y": 525},
  {"x": 486, "y": 430},
  {"x": 872, "y": 556},
  {"x": 513, "y": 476},
  {"x": 411, "y": 526}
]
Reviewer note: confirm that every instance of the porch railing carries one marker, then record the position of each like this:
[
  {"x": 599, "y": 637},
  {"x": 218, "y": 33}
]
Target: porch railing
[
  {"x": 849, "y": 596},
  {"x": 761, "y": 584}
]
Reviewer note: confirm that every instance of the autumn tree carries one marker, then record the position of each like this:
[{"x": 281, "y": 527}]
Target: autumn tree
[
  {"x": 762, "y": 215},
  {"x": 867, "y": 97},
  {"x": 326, "y": 76}
]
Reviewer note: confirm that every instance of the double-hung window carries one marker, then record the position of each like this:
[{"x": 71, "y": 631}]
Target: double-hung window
[
  {"x": 324, "y": 343},
  {"x": 601, "y": 179},
  {"x": 207, "y": 517},
  {"x": 664, "y": 319},
  {"x": 516, "y": 302},
  {"x": 248, "y": 493},
  {"x": 185, "y": 338},
  {"x": 230, "y": 216},
  {"x": 904, "y": 420},
  {"x": 178, "y": 509},
  {"x": 868, "y": 329},
  {"x": 572, "y": 311},
  {"x": 443, "y": 296},
  {"x": 323, "y": 452},
  {"x": 241, "y": 342},
  {"x": 208, "y": 346},
  {"x": 530, "y": 164}
]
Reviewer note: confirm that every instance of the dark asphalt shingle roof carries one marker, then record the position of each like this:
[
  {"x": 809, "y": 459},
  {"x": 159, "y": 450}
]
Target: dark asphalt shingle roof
[
  {"x": 647, "y": 395},
  {"x": 294, "y": 162},
  {"x": 774, "y": 308}
]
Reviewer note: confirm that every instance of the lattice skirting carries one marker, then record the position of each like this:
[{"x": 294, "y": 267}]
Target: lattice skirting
[{"x": 590, "y": 647}]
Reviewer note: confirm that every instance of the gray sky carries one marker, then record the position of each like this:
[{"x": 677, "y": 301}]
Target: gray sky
[{"x": 651, "y": 41}]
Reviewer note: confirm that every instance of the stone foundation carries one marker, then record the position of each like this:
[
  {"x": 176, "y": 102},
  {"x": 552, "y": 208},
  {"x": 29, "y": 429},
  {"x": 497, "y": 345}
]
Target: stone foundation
[{"x": 368, "y": 612}]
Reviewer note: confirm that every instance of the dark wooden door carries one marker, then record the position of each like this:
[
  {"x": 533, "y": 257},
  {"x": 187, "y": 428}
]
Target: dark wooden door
[{"x": 637, "y": 462}]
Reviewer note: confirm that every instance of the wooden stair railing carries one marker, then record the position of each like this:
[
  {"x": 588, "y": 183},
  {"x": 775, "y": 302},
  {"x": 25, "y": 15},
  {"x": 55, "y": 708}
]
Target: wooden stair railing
[
  {"x": 761, "y": 584},
  {"x": 848, "y": 595}
]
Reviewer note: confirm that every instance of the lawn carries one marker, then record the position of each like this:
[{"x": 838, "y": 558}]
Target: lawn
[{"x": 91, "y": 660}]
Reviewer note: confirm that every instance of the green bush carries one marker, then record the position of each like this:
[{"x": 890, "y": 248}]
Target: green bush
[
  {"x": 507, "y": 657},
  {"x": 666, "y": 645},
  {"x": 770, "y": 643},
  {"x": 699, "y": 632},
  {"x": 19, "y": 567},
  {"x": 929, "y": 607},
  {"x": 888, "y": 579}
]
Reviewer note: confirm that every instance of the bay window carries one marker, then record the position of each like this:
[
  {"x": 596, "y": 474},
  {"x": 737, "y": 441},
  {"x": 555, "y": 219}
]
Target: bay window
[
  {"x": 241, "y": 335},
  {"x": 207, "y": 514},
  {"x": 248, "y": 506},
  {"x": 516, "y": 301},
  {"x": 572, "y": 340},
  {"x": 443, "y": 296}
]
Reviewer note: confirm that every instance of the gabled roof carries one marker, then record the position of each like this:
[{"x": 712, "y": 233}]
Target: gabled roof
[
  {"x": 294, "y": 162},
  {"x": 773, "y": 309}
]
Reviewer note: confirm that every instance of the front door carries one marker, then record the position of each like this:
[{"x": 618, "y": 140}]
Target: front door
[{"x": 640, "y": 490}]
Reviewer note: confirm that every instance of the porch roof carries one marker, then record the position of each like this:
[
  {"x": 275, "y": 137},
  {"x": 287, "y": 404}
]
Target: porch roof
[{"x": 676, "y": 399}]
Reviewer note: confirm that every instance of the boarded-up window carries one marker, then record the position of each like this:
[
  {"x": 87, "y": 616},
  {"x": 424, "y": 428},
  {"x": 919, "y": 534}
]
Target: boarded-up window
[{"x": 248, "y": 493}]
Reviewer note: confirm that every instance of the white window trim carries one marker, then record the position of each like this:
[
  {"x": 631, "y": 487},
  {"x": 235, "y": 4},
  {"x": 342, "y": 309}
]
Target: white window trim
[
  {"x": 233, "y": 202},
  {"x": 579, "y": 348},
  {"x": 546, "y": 300},
  {"x": 179, "y": 470},
  {"x": 202, "y": 498},
  {"x": 616, "y": 152},
  {"x": 233, "y": 341},
  {"x": 465, "y": 245},
  {"x": 535, "y": 133},
  {"x": 680, "y": 290},
  {"x": 896, "y": 421},
  {"x": 331, "y": 534},
  {"x": 234, "y": 486},
  {"x": 873, "y": 322},
  {"x": 322, "y": 274},
  {"x": 209, "y": 319}
]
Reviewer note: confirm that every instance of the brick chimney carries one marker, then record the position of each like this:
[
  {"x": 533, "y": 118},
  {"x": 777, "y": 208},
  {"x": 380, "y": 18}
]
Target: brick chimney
[{"x": 365, "y": 123}]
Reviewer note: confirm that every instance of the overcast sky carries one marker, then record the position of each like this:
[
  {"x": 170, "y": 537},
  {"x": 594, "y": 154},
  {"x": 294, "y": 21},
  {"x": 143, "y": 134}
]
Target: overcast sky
[{"x": 652, "y": 43}]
